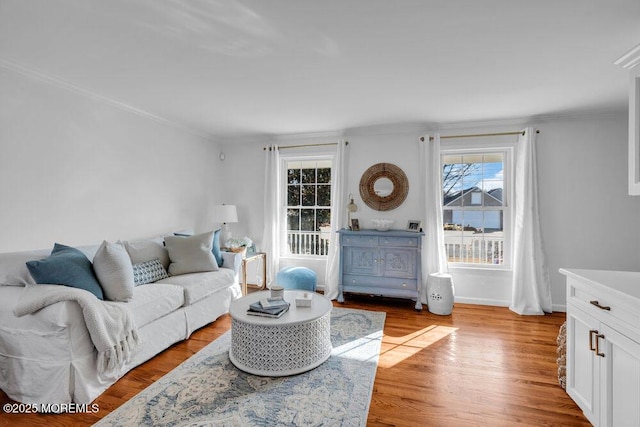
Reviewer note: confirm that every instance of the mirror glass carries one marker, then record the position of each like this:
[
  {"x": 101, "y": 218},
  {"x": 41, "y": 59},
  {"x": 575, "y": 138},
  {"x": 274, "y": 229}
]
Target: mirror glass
[{"x": 383, "y": 187}]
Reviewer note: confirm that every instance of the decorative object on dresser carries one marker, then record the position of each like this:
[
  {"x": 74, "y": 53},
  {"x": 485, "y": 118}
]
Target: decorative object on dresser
[
  {"x": 603, "y": 345},
  {"x": 386, "y": 263},
  {"x": 413, "y": 225},
  {"x": 351, "y": 208},
  {"x": 382, "y": 224},
  {"x": 355, "y": 224},
  {"x": 384, "y": 186}
]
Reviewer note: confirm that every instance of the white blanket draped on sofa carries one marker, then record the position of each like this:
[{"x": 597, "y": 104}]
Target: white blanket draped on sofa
[{"x": 110, "y": 325}]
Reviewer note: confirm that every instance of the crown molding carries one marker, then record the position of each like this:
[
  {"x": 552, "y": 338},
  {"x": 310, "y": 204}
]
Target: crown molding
[
  {"x": 79, "y": 90},
  {"x": 629, "y": 59}
]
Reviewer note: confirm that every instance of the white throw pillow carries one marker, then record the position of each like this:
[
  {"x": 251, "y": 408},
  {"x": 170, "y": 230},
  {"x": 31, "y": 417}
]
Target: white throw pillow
[
  {"x": 145, "y": 250},
  {"x": 113, "y": 269},
  {"x": 191, "y": 254}
]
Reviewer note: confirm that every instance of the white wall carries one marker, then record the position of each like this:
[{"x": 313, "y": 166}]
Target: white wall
[
  {"x": 75, "y": 169},
  {"x": 588, "y": 220}
]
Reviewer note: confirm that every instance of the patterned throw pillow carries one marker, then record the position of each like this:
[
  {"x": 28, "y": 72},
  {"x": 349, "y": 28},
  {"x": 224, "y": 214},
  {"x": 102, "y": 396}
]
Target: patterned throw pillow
[{"x": 149, "y": 272}]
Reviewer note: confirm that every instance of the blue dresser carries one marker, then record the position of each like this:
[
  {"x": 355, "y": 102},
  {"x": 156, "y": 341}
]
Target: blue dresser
[{"x": 386, "y": 263}]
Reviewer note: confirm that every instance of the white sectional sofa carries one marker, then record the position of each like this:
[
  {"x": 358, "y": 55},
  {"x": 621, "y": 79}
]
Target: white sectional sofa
[{"x": 49, "y": 357}]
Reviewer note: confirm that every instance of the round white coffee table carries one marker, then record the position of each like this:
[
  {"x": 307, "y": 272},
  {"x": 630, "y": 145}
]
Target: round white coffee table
[{"x": 298, "y": 341}]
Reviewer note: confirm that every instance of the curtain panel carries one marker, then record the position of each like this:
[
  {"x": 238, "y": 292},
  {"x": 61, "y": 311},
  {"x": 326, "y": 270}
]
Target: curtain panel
[
  {"x": 339, "y": 178},
  {"x": 531, "y": 289},
  {"x": 433, "y": 249},
  {"x": 271, "y": 228}
]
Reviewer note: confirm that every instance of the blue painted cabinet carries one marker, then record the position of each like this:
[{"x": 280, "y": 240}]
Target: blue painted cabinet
[{"x": 386, "y": 263}]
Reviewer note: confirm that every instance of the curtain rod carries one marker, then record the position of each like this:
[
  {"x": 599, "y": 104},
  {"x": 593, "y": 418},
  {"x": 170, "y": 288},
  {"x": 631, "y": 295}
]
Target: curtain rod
[
  {"x": 281, "y": 147},
  {"x": 473, "y": 135}
]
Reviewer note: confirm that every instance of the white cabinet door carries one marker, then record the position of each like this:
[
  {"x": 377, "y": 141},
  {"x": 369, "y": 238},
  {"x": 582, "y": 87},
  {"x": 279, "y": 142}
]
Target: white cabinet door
[
  {"x": 620, "y": 380},
  {"x": 583, "y": 379}
]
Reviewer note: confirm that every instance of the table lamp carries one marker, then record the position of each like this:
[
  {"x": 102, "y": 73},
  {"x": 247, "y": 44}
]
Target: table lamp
[{"x": 225, "y": 214}]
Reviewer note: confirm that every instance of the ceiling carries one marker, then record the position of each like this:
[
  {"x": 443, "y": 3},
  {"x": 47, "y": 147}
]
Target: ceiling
[{"x": 239, "y": 68}]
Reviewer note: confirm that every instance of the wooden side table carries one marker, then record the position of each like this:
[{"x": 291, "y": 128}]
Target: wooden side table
[{"x": 250, "y": 257}]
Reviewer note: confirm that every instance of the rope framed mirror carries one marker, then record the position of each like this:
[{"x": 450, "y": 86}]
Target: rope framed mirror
[{"x": 384, "y": 186}]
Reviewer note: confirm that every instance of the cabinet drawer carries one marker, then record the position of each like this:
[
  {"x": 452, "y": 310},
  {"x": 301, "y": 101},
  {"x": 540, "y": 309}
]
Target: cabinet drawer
[
  {"x": 351, "y": 281},
  {"x": 603, "y": 306},
  {"x": 410, "y": 242},
  {"x": 359, "y": 240}
]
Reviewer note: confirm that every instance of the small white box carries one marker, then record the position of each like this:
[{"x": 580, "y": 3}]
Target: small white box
[{"x": 303, "y": 299}]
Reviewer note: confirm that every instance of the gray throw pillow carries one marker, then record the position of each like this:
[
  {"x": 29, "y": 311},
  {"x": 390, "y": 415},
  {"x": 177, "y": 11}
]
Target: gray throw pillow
[
  {"x": 191, "y": 254},
  {"x": 112, "y": 266}
]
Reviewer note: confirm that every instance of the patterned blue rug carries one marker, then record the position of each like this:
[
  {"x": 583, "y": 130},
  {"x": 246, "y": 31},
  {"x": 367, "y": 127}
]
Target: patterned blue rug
[{"x": 207, "y": 390}]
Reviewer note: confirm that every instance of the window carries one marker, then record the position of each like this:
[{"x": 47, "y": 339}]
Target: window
[
  {"x": 475, "y": 212},
  {"x": 308, "y": 206}
]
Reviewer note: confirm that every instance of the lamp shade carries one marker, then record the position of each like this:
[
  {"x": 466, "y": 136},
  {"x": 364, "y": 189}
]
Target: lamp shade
[{"x": 226, "y": 213}]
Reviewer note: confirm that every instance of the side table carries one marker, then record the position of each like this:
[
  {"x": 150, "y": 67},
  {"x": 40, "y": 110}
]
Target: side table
[{"x": 251, "y": 257}]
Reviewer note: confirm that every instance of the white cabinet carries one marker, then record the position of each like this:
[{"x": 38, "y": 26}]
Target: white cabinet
[{"x": 603, "y": 345}]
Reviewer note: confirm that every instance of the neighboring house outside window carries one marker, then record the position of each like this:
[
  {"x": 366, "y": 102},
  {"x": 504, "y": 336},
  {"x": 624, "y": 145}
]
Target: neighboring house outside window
[
  {"x": 476, "y": 215},
  {"x": 308, "y": 205}
]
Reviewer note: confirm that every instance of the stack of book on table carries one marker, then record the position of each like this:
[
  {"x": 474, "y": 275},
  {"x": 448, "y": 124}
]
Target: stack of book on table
[{"x": 269, "y": 307}]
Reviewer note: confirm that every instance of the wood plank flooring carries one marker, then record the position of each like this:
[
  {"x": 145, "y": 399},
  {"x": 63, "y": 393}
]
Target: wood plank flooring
[{"x": 480, "y": 366}]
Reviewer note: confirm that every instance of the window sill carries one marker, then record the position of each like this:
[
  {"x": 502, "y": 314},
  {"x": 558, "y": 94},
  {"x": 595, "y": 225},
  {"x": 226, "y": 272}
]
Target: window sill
[{"x": 501, "y": 268}]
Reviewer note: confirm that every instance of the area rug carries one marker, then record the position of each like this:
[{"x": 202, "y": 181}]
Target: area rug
[{"x": 207, "y": 390}]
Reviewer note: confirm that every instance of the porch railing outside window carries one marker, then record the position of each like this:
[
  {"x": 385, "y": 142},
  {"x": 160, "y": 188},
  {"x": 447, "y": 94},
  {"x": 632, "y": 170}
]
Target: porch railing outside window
[
  {"x": 308, "y": 242},
  {"x": 482, "y": 250}
]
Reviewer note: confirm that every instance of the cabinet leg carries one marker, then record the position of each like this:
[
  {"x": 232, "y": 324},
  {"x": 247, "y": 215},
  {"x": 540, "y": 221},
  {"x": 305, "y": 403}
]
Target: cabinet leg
[
  {"x": 340, "y": 296},
  {"x": 418, "y": 305}
]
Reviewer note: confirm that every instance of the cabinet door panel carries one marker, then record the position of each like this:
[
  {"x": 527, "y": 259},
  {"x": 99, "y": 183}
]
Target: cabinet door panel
[
  {"x": 399, "y": 263},
  {"x": 620, "y": 380},
  {"x": 361, "y": 260},
  {"x": 582, "y": 364}
]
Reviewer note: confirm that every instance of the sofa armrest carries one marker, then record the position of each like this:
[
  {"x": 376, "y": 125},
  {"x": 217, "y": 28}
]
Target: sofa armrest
[{"x": 232, "y": 260}]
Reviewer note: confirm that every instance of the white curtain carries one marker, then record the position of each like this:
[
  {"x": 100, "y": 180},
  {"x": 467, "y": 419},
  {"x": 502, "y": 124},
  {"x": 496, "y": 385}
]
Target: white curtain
[
  {"x": 338, "y": 218},
  {"x": 531, "y": 290},
  {"x": 433, "y": 251},
  {"x": 271, "y": 230}
]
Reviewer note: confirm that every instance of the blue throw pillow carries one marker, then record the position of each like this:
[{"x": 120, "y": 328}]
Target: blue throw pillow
[
  {"x": 217, "y": 254},
  {"x": 66, "y": 266}
]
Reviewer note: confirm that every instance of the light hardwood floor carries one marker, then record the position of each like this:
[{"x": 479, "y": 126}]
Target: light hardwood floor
[{"x": 482, "y": 366}]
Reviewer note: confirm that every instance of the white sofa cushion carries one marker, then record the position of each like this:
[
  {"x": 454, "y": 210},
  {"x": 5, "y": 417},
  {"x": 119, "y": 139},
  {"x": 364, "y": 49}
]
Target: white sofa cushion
[
  {"x": 191, "y": 254},
  {"x": 153, "y": 301},
  {"x": 112, "y": 266},
  {"x": 200, "y": 285}
]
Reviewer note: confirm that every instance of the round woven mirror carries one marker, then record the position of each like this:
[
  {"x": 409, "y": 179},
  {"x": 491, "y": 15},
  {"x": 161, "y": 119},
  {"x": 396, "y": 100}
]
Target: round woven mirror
[{"x": 383, "y": 187}]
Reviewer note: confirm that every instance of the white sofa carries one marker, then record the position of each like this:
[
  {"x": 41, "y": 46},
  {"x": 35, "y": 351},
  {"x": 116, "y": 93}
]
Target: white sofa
[{"x": 49, "y": 357}]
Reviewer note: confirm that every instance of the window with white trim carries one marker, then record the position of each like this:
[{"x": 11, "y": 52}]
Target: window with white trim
[
  {"x": 476, "y": 212},
  {"x": 308, "y": 205}
]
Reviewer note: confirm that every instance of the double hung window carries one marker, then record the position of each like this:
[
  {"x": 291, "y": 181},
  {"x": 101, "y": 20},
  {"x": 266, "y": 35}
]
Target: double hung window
[
  {"x": 476, "y": 212},
  {"x": 308, "y": 205}
]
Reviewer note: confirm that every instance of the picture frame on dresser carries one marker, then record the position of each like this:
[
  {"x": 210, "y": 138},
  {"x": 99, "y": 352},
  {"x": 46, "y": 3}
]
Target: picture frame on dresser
[
  {"x": 355, "y": 224},
  {"x": 413, "y": 225}
]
